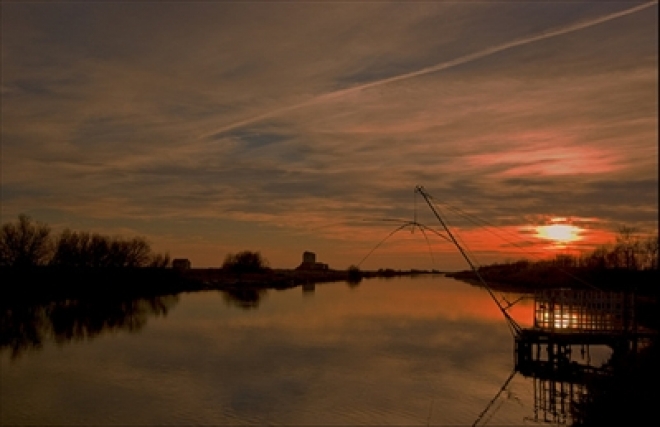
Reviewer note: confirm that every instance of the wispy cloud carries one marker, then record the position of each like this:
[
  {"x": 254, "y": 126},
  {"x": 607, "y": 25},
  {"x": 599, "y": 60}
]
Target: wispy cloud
[
  {"x": 331, "y": 96},
  {"x": 293, "y": 122}
]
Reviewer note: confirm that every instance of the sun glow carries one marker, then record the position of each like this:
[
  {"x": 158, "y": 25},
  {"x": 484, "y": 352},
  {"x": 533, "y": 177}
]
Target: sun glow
[{"x": 560, "y": 233}]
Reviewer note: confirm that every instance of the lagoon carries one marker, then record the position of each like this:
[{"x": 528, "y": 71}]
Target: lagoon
[{"x": 426, "y": 350}]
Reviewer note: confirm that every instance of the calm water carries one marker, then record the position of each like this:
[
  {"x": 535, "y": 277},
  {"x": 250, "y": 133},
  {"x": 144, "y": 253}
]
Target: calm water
[{"x": 412, "y": 351}]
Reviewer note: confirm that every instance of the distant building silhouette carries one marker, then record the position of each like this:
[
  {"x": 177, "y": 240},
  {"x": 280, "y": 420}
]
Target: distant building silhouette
[
  {"x": 309, "y": 257},
  {"x": 309, "y": 262},
  {"x": 181, "y": 264}
]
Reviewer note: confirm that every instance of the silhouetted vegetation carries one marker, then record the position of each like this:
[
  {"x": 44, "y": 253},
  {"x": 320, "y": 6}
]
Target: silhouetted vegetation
[
  {"x": 26, "y": 244},
  {"x": 630, "y": 251},
  {"x": 37, "y": 266},
  {"x": 354, "y": 275},
  {"x": 245, "y": 262},
  {"x": 82, "y": 249},
  {"x": 631, "y": 261}
]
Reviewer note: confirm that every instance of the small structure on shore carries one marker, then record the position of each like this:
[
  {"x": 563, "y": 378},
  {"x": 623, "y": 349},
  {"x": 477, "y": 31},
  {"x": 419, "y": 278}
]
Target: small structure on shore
[
  {"x": 181, "y": 264},
  {"x": 309, "y": 262}
]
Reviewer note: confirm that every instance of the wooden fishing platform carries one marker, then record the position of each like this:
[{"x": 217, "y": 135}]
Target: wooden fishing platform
[{"x": 566, "y": 320}]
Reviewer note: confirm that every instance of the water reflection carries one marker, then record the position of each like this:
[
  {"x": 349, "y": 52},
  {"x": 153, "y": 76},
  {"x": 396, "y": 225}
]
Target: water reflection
[
  {"x": 569, "y": 385},
  {"x": 249, "y": 297},
  {"x": 308, "y": 288},
  {"x": 569, "y": 388},
  {"x": 243, "y": 297},
  {"x": 26, "y": 326},
  {"x": 428, "y": 351}
]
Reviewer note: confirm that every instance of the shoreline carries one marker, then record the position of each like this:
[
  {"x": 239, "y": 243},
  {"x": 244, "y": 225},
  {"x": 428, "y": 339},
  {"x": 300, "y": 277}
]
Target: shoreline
[
  {"x": 44, "y": 284},
  {"x": 643, "y": 282}
]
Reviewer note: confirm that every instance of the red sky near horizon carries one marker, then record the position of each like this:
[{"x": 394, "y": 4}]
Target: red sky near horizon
[{"x": 280, "y": 127}]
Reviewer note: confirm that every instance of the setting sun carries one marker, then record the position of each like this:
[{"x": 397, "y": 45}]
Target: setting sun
[{"x": 560, "y": 233}]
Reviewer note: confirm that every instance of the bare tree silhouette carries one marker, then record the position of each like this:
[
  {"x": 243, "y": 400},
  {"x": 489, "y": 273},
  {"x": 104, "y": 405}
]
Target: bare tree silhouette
[
  {"x": 245, "y": 262},
  {"x": 25, "y": 243}
]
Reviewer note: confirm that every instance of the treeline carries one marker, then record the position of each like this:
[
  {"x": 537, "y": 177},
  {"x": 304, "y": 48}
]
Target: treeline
[
  {"x": 630, "y": 251},
  {"x": 630, "y": 261},
  {"x": 26, "y": 243},
  {"x": 245, "y": 262}
]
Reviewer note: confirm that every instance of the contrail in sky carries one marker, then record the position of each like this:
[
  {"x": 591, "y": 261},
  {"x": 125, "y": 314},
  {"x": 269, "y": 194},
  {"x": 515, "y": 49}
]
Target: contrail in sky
[{"x": 432, "y": 69}]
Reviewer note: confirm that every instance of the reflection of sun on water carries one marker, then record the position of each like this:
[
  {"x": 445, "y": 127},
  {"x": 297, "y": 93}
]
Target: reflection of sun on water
[{"x": 557, "y": 320}]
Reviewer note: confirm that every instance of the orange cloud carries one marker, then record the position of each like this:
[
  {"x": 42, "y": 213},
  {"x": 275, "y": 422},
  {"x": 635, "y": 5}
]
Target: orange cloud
[{"x": 561, "y": 160}]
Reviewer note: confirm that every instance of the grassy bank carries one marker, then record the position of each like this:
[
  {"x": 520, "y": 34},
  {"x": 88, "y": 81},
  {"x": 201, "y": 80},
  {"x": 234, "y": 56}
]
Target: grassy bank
[
  {"x": 513, "y": 278},
  {"x": 50, "y": 283}
]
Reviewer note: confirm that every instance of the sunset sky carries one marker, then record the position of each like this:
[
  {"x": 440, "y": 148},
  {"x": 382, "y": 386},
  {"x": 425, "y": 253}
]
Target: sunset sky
[{"x": 280, "y": 127}]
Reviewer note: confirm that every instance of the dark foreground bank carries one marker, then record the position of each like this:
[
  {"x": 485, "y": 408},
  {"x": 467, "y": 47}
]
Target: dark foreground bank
[
  {"x": 42, "y": 284},
  {"x": 47, "y": 283},
  {"x": 514, "y": 279}
]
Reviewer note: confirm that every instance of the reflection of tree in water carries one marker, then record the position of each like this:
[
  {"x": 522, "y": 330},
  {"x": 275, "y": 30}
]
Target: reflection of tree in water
[
  {"x": 28, "y": 326},
  {"x": 245, "y": 298}
]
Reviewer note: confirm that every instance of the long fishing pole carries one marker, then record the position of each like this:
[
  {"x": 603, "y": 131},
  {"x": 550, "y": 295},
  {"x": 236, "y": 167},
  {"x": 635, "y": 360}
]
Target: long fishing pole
[
  {"x": 422, "y": 228},
  {"x": 512, "y": 323},
  {"x": 479, "y": 221}
]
